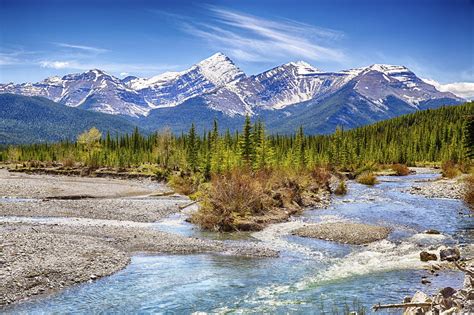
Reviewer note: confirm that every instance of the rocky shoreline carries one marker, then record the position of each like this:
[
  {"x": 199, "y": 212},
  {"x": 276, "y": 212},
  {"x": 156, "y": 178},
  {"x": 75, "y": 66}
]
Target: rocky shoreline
[{"x": 440, "y": 188}]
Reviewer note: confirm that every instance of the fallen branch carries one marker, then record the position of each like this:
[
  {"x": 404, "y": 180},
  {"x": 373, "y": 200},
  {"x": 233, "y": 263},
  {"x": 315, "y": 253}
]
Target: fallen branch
[
  {"x": 69, "y": 197},
  {"x": 400, "y": 305},
  {"x": 187, "y": 205}
]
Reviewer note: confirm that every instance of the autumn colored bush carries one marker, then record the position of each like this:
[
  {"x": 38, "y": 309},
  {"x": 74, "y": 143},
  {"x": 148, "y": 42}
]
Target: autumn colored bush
[
  {"x": 400, "y": 169},
  {"x": 469, "y": 192},
  {"x": 449, "y": 169},
  {"x": 243, "y": 195}
]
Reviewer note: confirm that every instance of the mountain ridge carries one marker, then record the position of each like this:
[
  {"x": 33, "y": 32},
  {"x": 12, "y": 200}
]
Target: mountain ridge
[{"x": 218, "y": 87}]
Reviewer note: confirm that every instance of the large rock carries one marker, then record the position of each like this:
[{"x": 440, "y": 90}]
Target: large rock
[
  {"x": 418, "y": 297},
  {"x": 450, "y": 254},
  {"x": 432, "y": 231},
  {"x": 426, "y": 256}
]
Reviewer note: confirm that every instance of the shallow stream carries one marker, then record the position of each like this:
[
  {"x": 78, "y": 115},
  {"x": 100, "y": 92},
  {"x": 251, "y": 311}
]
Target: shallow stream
[{"x": 309, "y": 276}]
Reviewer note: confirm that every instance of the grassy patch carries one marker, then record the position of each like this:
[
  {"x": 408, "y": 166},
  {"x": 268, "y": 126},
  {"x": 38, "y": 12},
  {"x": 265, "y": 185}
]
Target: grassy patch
[{"x": 367, "y": 178}]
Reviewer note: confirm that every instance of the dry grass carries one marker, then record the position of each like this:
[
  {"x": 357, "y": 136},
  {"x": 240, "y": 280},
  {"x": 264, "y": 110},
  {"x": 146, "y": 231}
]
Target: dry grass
[
  {"x": 449, "y": 169},
  {"x": 400, "y": 169},
  {"x": 68, "y": 162},
  {"x": 469, "y": 193},
  {"x": 321, "y": 176},
  {"x": 367, "y": 178}
]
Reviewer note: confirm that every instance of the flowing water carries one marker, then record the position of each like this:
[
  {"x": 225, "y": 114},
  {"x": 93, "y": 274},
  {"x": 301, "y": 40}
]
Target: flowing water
[{"x": 309, "y": 276}]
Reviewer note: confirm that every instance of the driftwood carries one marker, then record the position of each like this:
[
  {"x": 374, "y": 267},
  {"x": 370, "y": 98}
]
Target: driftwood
[
  {"x": 162, "y": 194},
  {"x": 69, "y": 197},
  {"x": 463, "y": 269},
  {"x": 400, "y": 305},
  {"x": 187, "y": 205}
]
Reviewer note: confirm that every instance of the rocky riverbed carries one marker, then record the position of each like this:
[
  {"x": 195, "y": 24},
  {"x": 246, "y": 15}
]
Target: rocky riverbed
[
  {"x": 56, "y": 231},
  {"x": 440, "y": 188}
]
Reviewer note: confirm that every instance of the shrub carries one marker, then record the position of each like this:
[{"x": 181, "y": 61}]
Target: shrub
[
  {"x": 469, "y": 192},
  {"x": 367, "y": 178},
  {"x": 68, "y": 162},
  {"x": 341, "y": 188},
  {"x": 400, "y": 169},
  {"x": 231, "y": 196},
  {"x": 234, "y": 199},
  {"x": 449, "y": 169}
]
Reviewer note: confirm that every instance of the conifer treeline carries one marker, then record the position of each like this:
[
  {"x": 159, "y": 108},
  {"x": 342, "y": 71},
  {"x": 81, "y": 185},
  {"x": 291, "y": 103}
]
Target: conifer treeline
[{"x": 425, "y": 136}]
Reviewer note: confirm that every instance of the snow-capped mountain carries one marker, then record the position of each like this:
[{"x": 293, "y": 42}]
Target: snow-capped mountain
[
  {"x": 172, "y": 88},
  {"x": 94, "y": 90},
  {"x": 217, "y": 85}
]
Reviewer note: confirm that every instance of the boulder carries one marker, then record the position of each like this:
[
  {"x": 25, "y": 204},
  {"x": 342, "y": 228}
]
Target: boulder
[
  {"x": 426, "y": 256},
  {"x": 447, "y": 292},
  {"x": 450, "y": 254}
]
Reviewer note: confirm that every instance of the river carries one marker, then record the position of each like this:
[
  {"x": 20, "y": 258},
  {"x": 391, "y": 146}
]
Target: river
[{"x": 309, "y": 276}]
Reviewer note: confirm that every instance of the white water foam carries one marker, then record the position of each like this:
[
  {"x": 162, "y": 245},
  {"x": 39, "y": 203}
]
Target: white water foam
[{"x": 272, "y": 236}]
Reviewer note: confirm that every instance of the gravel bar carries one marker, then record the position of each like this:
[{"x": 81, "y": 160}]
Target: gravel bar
[{"x": 344, "y": 232}]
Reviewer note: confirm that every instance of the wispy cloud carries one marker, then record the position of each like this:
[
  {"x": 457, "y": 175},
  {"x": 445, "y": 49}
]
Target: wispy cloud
[
  {"x": 112, "y": 67},
  {"x": 82, "y": 48},
  {"x": 252, "y": 38},
  {"x": 461, "y": 89}
]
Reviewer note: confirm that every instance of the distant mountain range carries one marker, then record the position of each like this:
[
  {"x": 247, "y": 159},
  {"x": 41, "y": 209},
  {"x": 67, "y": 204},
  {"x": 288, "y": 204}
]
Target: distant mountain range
[{"x": 285, "y": 97}]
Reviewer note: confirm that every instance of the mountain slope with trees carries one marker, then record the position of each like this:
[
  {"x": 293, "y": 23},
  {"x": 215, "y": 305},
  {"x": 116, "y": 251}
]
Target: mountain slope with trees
[{"x": 26, "y": 119}]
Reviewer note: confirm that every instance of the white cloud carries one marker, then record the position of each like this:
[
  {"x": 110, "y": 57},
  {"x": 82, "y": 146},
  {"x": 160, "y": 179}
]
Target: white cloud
[
  {"x": 122, "y": 68},
  {"x": 55, "y": 64},
  {"x": 124, "y": 74},
  {"x": 461, "y": 89},
  {"x": 82, "y": 47},
  {"x": 253, "y": 38}
]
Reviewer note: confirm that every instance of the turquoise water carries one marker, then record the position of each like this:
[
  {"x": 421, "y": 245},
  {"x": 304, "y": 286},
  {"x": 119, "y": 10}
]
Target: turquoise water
[{"x": 309, "y": 273}]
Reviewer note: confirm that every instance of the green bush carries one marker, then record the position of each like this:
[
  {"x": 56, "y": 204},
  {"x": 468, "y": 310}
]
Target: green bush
[{"x": 341, "y": 188}]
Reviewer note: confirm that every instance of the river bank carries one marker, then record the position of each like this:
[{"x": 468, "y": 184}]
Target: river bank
[
  {"x": 74, "y": 229},
  {"x": 451, "y": 188}
]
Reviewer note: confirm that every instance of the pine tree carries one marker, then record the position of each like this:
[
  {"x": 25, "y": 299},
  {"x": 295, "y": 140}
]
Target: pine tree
[
  {"x": 246, "y": 143},
  {"x": 192, "y": 149},
  {"x": 468, "y": 140}
]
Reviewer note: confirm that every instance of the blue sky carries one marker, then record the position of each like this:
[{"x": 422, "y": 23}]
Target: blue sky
[{"x": 43, "y": 38}]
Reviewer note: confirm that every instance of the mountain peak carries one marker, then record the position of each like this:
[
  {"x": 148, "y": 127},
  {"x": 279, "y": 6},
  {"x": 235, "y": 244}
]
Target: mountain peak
[
  {"x": 217, "y": 57},
  {"x": 385, "y": 68},
  {"x": 302, "y": 67},
  {"x": 220, "y": 69}
]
